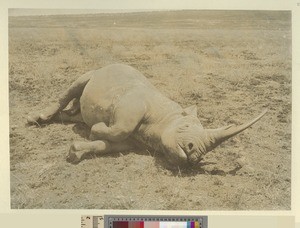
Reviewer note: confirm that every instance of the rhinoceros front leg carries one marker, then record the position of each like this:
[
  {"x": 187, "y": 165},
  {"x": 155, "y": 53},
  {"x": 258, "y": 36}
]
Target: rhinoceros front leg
[
  {"x": 127, "y": 116},
  {"x": 74, "y": 91},
  {"x": 80, "y": 150},
  {"x": 115, "y": 133}
]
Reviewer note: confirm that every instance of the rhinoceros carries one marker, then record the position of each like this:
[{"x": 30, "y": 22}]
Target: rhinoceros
[{"x": 121, "y": 106}]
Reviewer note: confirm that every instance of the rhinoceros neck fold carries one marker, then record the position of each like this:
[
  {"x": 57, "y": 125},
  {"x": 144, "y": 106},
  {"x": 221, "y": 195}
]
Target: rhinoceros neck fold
[
  {"x": 161, "y": 110},
  {"x": 149, "y": 133}
]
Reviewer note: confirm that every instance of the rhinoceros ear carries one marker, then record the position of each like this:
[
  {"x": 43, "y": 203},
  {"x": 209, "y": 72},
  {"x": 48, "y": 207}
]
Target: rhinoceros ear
[{"x": 191, "y": 110}]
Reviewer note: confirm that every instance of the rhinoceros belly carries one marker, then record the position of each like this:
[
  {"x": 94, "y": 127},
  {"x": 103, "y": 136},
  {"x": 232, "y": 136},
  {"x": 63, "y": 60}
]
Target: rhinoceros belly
[{"x": 105, "y": 89}]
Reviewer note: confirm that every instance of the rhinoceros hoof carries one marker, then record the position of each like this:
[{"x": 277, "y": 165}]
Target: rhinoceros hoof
[
  {"x": 37, "y": 119},
  {"x": 76, "y": 153},
  {"x": 73, "y": 158},
  {"x": 33, "y": 119},
  {"x": 45, "y": 116}
]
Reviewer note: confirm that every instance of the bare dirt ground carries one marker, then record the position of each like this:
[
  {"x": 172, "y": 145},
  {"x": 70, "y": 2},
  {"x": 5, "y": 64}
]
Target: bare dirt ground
[{"x": 232, "y": 64}]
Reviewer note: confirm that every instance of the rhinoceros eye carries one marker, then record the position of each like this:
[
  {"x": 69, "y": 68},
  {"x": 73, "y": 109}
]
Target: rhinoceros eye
[{"x": 190, "y": 145}]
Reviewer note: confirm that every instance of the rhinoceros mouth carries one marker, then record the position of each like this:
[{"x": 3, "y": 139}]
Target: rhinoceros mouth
[{"x": 192, "y": 157}]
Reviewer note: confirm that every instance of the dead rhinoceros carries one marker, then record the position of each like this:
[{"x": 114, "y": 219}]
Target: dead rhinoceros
[{"x": 121, "y": 105}]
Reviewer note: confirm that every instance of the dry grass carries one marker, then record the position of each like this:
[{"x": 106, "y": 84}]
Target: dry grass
[{"x": 231, "y": 64}]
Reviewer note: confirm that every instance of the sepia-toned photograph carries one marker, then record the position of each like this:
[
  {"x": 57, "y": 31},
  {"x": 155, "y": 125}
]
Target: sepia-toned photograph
[{"x": 150, "y": 110}]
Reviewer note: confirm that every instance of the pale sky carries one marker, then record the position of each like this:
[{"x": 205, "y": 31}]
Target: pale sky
[{"x": 32, "y": 12}]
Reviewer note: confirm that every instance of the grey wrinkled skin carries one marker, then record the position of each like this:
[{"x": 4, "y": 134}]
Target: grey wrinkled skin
[{"x": 121, "y": 105}]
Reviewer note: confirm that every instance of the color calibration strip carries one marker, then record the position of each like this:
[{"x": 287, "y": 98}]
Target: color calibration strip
[
  {"x": 154, "y": 224},
  {"x": 151, "y": 221}
]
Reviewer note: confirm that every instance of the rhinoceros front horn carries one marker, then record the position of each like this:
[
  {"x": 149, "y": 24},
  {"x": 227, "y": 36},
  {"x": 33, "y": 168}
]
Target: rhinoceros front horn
[{"x": 217, "y": 136}]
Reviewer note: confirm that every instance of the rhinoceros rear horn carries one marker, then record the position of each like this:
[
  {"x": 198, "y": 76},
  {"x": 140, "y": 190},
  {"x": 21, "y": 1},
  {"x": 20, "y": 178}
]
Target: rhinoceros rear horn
[{"x": 221, "y": 134}]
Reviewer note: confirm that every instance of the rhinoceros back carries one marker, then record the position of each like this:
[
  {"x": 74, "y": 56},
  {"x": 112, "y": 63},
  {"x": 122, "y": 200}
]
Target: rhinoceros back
[{"x": 106, "y": 87}]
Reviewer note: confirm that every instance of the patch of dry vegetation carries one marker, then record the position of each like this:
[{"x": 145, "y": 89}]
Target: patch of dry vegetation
[{"x": 231, "y": 64}]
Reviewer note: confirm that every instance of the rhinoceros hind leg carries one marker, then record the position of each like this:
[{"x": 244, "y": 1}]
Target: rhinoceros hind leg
[
  {"x": 61, "y": 117},
  {"x": 74, "y": 91},
  {"x": 66, "y": 117},
  {"x": 75, "y": 107},
  {"x": 45, "y": 116},
  {"x": 80, "y": 150}
]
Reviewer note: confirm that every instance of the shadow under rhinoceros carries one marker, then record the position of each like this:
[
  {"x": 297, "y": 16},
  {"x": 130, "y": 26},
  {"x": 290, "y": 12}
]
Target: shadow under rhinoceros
[
  {"x": 81, "y": 129},
  {"x": 203, "y": 167}
]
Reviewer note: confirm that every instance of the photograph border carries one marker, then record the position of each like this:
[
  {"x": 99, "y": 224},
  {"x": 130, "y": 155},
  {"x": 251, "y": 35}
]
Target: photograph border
[{"x": 294, "y": 6}]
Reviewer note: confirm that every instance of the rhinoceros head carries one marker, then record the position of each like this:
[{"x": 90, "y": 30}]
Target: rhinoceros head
[{"x": 185, "y": 141}]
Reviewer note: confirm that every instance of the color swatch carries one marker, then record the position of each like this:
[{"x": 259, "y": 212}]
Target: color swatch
[{"x": 156, "y": 224}]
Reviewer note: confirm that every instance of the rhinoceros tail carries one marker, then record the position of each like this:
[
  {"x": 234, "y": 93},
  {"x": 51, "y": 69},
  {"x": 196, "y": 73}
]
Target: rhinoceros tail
[{"x": 221, "y": 134}]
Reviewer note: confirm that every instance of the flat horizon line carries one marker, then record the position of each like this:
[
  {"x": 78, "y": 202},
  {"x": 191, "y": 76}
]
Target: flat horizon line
[{"x": 48, "y": 12}]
